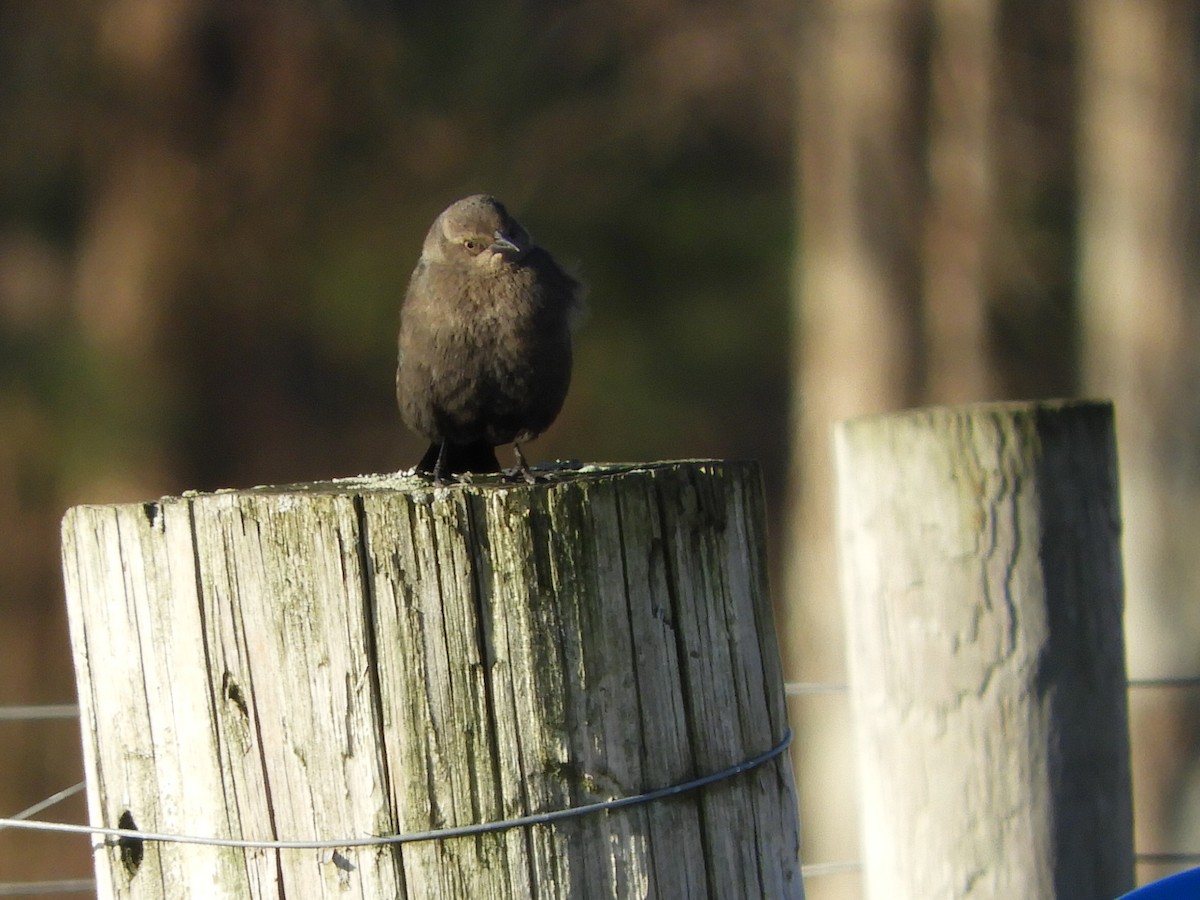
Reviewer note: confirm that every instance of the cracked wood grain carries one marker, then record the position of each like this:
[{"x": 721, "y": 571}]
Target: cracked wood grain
[{"x": 377, "y": 656}]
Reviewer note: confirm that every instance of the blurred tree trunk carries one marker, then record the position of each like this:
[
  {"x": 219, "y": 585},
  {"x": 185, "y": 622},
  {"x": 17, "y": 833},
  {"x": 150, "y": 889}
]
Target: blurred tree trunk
[
  {"x": 1141, "y": 322},
  {"x": 858, "y": 289},
  {"x": 957, "y": 220},
  {"x": 934, "y": 265}
]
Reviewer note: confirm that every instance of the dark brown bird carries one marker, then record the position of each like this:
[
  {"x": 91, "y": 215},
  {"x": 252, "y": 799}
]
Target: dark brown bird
[{"x": 485, "y": 339}]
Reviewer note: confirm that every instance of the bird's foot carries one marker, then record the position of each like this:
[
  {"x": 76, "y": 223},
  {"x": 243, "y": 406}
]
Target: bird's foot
[
  {"x": 517, "y": 474},
  {"x": 521, "y": 470}
]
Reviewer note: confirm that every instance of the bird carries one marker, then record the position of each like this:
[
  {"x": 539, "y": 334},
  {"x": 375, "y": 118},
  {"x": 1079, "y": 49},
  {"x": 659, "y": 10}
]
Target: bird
[{"x": 485, "y": 340}]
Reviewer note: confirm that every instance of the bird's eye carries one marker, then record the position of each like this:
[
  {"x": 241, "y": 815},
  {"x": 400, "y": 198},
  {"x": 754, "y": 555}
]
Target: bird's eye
[{"x": 472, "y": 245}]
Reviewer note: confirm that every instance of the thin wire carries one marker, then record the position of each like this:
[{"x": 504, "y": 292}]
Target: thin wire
[
  {"x": 797, "y": 688},
  {"x": 1193, "y": 681},
  {"x": 30, "y": 888},
  {"x": 793, "y": 688},
  {"x": 47, "y": 803},
  {"x": 412, "y": 837},
  {"x": 43, "y": 711},
  {"x": 1167, "y": 858},
  {"x": 815, "y": 870}
]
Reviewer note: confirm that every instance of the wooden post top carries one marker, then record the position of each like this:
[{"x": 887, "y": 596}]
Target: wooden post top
[
  {"x": 548, "y": 475},
  {"x": 379, "y": 655}
]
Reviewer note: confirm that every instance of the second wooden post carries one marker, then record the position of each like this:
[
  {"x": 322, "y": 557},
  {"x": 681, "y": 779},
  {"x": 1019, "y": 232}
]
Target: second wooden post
[{"x": 982, "y": 586}]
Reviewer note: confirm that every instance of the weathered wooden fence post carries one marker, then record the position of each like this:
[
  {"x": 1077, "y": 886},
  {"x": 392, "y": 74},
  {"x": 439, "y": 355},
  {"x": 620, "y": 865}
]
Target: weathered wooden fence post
[
  {"x": 375, "y": 657},
  {"x": 982, "y": 586}
]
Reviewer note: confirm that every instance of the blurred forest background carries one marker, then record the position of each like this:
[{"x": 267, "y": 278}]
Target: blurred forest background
[{"x": 787, "y": 214}]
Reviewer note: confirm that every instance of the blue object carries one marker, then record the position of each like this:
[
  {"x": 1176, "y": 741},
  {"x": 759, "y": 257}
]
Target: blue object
[{"x": 1184, "y": 886}]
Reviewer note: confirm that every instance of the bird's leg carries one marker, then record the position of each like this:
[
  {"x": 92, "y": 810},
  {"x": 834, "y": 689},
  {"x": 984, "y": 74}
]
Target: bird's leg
[
  {"x": 523, "y": 466},
  {"x": 439, "y": 467}
]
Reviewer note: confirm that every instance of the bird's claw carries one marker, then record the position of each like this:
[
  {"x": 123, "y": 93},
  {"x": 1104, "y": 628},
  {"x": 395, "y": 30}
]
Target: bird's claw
[{"x": 519, "y": 473}]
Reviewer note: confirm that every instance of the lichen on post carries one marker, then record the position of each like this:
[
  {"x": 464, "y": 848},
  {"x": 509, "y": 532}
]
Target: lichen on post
[{"x": 380, "y": 656}]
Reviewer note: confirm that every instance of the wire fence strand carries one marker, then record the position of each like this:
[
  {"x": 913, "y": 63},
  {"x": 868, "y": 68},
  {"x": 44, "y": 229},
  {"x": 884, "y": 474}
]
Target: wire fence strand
[
  {"x": 53, "y": 799},
  {"x": 439, "y": 834},
  {"x": 39, "y": 712},
  {"x": 69, "y": 711},
  {"x": 35, "y": 888}
]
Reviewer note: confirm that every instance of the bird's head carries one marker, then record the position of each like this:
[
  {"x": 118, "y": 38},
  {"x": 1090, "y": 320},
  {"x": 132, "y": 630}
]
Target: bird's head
[{"x": 477, "y": 231}]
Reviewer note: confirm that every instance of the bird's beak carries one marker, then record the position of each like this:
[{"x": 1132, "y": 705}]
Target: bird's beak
[{"x": 507, "y": 248}]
